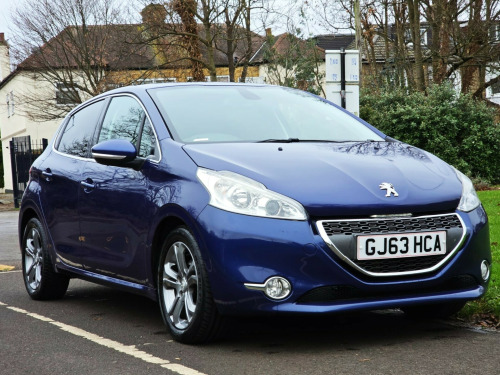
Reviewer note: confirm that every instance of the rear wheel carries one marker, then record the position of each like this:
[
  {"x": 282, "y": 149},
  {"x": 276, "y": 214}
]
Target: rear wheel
[
  {"x": 41, "y": 280},
  {"x": 184, "y": 292},
  {"x": 438, "y": 310}
]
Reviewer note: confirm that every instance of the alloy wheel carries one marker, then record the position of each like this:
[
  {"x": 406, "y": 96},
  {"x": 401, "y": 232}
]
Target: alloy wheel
[
  {"x": 180, "y": 285},
  {"x": 33, "y": 259}
]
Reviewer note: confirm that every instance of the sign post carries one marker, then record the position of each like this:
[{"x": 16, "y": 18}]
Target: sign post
[{"x": 342, "y": 78}]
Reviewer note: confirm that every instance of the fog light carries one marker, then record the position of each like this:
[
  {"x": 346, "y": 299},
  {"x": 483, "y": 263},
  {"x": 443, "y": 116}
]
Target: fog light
[
  {"x": 277, "y": 288},
  {"x": 485, "y": 270}
]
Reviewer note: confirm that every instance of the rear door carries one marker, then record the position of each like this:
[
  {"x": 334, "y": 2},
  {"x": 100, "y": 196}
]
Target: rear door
[{"x": 60, "y": 182}]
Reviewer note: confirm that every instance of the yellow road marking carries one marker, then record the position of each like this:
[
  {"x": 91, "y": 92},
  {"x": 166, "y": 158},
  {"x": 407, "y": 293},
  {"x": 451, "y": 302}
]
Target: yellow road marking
[{"x": 4, "y": 268}]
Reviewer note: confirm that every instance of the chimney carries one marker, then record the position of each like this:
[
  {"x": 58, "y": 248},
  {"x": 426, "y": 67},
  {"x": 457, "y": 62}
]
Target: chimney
[
  {"x": 269, "y": 32},
  {"x": 154, "y": 15},
  {"x": 4, "y": 58}
]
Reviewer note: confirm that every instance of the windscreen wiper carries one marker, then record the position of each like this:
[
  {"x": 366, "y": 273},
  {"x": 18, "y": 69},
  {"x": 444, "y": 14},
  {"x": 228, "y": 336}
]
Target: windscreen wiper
[
  {"x": 293, "y": 140},
  {"x": 285, "y": 140}
]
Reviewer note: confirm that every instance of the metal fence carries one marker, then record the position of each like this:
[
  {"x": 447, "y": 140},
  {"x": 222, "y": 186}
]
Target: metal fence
[{"x": 23, "y": 152}]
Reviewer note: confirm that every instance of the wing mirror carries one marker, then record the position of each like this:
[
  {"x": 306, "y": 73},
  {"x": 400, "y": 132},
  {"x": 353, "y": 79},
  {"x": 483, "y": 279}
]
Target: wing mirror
[{"x": 118, "y": 153}]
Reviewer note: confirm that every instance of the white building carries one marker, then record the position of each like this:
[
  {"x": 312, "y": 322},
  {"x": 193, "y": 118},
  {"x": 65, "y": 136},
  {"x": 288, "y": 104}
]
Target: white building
[{"x": 12, "y": 121}]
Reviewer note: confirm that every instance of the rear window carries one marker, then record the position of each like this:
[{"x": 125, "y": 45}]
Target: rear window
[{"x": 78, "y": 133}]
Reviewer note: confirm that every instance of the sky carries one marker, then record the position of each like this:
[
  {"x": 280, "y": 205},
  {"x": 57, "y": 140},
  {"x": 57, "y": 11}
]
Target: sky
[{"x": 6, "y": 7}]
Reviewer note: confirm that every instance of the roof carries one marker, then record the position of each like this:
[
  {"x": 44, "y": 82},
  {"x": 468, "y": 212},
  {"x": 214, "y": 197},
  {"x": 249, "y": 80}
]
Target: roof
[
  {"x": 335, "y": 42},
  {"x": 134, "y": 46},
  {"x": 281, "y": 45}
]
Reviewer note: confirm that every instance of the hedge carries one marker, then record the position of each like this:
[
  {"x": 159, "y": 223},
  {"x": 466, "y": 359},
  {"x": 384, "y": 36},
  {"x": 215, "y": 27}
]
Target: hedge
[{"x": 457, "y": 128}]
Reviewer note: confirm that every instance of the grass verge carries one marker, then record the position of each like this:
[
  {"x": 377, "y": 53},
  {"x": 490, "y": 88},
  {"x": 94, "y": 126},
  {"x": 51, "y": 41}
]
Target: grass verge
[{"x": 488, "y": 307}]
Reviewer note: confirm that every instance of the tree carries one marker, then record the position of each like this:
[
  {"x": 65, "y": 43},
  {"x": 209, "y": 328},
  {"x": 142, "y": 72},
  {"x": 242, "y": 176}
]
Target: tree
[
  {"x": 186, "y": 10},
  {"x": 425, "y": 41},
  {"x": 68, "y": 47},
  {"x": 294, "y": 62},
  {"x": 212, "y": 29}
]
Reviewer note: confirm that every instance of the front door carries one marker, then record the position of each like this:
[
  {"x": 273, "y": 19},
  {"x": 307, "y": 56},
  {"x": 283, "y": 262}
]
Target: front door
[{"x": 115, "y": 210}]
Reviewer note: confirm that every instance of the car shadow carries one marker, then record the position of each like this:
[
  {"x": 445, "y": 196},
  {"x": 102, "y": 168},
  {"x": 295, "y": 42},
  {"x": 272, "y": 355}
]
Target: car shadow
[{"x": 344, "y": 332}]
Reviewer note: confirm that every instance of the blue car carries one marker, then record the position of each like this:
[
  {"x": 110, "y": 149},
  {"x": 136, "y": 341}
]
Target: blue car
[{"x": 238, "y": 199}]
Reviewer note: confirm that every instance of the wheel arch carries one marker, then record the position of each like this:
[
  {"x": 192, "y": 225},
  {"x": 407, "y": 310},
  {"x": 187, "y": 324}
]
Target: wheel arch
[
  {"x": 173, "y": 217},
  {"x": 167, "y": 225},
  {"x": 24, "y": 217}
]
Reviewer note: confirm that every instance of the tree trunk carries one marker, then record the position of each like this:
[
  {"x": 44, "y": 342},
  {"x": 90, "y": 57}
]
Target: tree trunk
[
  {"x": 414, "y": 20},
  {"x": 186, "y": 10},
  {"x": 471, "y": 68}
]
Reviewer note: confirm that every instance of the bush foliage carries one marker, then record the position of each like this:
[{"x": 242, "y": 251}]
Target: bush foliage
[{"x": 457, "y": 128}]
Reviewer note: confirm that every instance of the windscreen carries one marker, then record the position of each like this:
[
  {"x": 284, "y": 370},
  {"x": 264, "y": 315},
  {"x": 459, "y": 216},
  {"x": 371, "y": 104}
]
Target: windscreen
[{"x": 241, "y": 113}]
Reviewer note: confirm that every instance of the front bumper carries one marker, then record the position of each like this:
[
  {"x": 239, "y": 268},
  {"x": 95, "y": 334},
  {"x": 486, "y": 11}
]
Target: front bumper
[{"x": 242, "y": 249}]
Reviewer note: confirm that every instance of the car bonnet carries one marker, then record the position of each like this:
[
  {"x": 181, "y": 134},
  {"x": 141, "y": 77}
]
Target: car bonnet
[{"x": 339, "y": 179}]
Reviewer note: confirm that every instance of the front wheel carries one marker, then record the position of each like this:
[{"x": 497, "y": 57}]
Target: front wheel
[
  {"x": 184, "y": 294},
  {"x": 41, "y": 280}
]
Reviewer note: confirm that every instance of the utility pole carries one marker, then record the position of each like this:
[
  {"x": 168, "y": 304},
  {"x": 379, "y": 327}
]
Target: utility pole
[{"x": 357, "y": 40}]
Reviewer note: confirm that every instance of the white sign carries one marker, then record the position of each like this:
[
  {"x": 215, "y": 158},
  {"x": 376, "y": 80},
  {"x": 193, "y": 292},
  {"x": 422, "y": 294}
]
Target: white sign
[{"x": 333, "y": 78}]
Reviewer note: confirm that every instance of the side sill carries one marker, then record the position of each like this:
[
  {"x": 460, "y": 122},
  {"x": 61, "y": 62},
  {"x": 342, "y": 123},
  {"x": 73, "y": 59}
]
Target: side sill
[{"x": 113, "y": 282}]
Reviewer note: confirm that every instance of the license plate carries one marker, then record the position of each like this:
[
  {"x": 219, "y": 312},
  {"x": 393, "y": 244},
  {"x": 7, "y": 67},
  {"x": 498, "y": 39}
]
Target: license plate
[{"x": 386, "y": 246}]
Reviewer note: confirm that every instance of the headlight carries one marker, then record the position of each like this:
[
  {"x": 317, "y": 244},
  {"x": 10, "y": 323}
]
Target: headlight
[
  {"x": 469, "y": 199},
  {"x": 235, "y": 193}
]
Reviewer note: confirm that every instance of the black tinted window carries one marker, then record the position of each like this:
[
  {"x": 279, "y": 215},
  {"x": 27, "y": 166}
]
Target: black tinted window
[
  {"x": 79, "y": 130},
  {"x": 123, "y": 120}
]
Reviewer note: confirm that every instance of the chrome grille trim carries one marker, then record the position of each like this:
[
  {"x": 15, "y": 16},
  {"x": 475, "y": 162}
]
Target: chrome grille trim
[{"x": 384, "y": 226}]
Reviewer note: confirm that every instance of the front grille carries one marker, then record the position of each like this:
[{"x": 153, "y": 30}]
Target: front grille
[
  {"x": 400, "y": 265},
  {"x": 341, "y": 236},
  {"x": 381, "y": 226},
  {"x": 339, "y": 293}
]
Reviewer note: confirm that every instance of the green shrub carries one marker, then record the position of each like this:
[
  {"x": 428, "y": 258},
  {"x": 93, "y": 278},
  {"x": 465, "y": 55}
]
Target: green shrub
[{"x": 457, "y": 128}]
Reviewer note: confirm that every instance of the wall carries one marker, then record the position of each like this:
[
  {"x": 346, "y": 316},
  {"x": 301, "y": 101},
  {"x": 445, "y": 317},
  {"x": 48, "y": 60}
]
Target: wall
[{"x": 17, "y": 124}]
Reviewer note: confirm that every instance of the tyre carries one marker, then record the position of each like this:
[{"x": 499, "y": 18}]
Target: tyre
[
  {"x": 40, "y": 278},
  {"x": 438, "y": 310},
  {"x": 184, "y": 294}
]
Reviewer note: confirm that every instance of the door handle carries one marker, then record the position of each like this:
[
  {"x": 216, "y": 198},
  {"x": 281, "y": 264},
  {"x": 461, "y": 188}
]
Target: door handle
[
  {"x": 88, "y": 185},
  {"x": 47, "y": 174}
]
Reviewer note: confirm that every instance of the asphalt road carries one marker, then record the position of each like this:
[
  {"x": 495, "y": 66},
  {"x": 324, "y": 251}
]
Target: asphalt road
[{"x": 98, "y": 330}]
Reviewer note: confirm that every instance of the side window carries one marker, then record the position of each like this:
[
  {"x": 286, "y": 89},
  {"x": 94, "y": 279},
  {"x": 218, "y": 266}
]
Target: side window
[
  {"x": 79, "y": 130},
  {"x": 123, "y": 120},
  {"x": 147, "y": 148}
]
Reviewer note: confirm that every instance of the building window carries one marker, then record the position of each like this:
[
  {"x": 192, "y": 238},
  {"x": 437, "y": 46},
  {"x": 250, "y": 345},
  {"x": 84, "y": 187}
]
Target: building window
[
  {"x": 495, "y": 88},
  {"x": 494, "y": 33},
  {"x": 423, "y": 36},
  {"x": 66, "y": 95},
  {"x": 12, "y": 107},
  {"x": 10, "y": 104}
]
